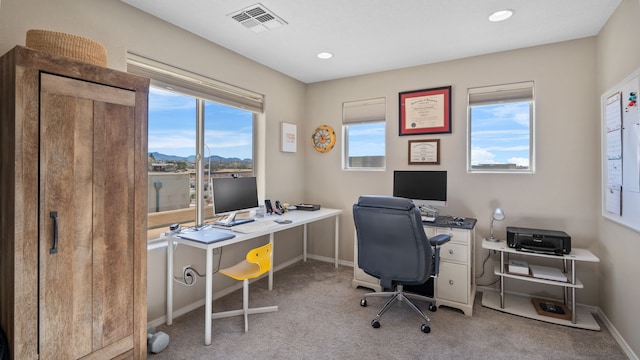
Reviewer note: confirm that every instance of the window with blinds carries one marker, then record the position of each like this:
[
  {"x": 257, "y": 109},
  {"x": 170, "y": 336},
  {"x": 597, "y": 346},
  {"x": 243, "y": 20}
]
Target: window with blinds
[
  {"x": 199, "y": 129},
  {"x": 363, "y": 128},
  {"x": 501, "y": 128}
]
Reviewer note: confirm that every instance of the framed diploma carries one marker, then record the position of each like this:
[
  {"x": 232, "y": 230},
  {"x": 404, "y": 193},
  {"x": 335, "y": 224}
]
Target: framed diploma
[
  {"x": 425, "y": 111},
  {"x": 424, "y": 152}
]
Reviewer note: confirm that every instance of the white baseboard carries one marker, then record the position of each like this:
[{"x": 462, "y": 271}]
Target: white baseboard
[
  {"x": 616, "y": 335},
  {"x": 330, "y": 260}
]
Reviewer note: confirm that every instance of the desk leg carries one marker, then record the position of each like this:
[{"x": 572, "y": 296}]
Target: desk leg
[
  {"x": 271, "y": 270},
  {"x": 573, "y": 291},
  {"x": 304, "y": 243},
  {"x": 501, "y": 280},
  {"x": 169, "y": 281},
  {"x": 208, "y": 298},
  {"x": 336, "y": 240}
]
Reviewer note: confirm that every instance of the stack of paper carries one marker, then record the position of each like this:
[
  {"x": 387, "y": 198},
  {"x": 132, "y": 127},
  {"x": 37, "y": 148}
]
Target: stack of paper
[
  {"x": 518, "y": 267},
  {"x": 549, "y": 273}
]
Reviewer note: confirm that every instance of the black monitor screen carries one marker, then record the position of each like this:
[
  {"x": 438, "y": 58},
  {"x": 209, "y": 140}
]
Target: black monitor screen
[
  {"x": 423, "y": 187},
  {"x": 232, "y": 194}
]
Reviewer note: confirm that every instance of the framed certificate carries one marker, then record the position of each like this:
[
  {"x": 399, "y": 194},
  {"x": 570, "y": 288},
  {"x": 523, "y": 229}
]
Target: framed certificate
[
  {"x": 424, "y": 152},
  {"x": 425, "y": 111}
]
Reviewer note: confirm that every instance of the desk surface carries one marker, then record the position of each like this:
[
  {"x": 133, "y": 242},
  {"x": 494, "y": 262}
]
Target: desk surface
[
  {"x": 297, "y": 217},
  {"x": 449, "y": 222}
]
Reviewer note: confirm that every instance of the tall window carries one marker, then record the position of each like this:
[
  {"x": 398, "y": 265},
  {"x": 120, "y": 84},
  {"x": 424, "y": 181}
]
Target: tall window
[
  {"x": 363, "y": 126},
  {"x": 199, "y": 129},
  {"x": 501, "y": 129}
]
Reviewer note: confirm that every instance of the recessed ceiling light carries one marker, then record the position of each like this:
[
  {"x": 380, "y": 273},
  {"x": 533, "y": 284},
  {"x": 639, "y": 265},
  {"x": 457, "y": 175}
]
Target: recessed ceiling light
[
  {"x": 324, "y": 55},
  {"x": 501, "y": 15}
]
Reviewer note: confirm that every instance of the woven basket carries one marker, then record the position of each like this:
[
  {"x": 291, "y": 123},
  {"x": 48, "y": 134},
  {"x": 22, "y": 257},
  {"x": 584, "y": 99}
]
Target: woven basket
[{"x": 71, "y": 46}]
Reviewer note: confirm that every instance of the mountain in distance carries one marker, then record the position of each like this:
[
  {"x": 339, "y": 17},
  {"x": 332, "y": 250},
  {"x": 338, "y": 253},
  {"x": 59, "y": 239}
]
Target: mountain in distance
[{"x": 214, "y": 158}]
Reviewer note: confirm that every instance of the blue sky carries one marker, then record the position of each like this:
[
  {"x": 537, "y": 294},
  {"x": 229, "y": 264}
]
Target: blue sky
[
  {"x": 500, "y": 134},
  {"x": 172, "y": 127},
  {"x": 366, "y": 139}
]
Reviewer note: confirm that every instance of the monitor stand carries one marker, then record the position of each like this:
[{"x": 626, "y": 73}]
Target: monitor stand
[{"x": 232, "y": 221}]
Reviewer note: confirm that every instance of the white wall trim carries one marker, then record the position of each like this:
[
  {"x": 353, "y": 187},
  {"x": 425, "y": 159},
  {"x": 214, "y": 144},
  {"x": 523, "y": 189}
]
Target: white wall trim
[{"x": 616, "y": 335}]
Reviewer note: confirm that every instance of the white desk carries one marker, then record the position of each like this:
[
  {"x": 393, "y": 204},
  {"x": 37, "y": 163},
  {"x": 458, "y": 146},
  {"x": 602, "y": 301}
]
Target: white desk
[{"x": 297, "y": 217}]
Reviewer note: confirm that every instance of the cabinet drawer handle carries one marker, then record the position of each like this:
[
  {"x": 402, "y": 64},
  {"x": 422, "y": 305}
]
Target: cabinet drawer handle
[
  {"x": 450, "y": 282},
  {"x": 54, "y": 249},
  {"x": 450, "y": 251}
]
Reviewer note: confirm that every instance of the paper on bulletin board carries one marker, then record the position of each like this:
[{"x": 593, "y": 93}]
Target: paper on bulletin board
[
  {"x": 614, "y": 200},
  {"x": 614, "y": 112},
  {"x": 631, "y": 149},
  {"x": 614, "y": 172}
]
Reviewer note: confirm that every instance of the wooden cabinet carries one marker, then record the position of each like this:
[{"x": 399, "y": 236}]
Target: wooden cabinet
[
  {"x": 455, "y": 286},
  {"x": 72, "y": 208}
]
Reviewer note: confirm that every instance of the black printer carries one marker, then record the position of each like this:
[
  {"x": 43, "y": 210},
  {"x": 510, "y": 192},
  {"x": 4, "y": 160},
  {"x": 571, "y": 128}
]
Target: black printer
[{"x": 538, "y": 240}]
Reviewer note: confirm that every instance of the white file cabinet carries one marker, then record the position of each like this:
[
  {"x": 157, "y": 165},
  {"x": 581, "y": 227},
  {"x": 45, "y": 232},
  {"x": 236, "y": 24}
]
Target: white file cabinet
[{"x": 455, "y": 286}]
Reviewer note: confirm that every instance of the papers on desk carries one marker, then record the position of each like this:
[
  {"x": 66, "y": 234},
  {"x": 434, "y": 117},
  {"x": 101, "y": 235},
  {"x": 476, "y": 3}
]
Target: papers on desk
[
  {"x": 548, "y": 273},
  {"x": 206, "y": 236}
]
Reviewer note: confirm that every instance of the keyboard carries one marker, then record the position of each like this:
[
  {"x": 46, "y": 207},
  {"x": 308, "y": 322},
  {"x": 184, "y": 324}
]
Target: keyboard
[{"x": 255, "y": 226}]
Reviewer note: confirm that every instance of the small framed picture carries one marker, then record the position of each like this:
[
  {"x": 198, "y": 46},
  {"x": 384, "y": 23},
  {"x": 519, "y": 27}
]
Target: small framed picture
[
  {"x": 425, "y": 111},
  {"x": 288, "y": 137},
  {"x": 424, "y": 152}
]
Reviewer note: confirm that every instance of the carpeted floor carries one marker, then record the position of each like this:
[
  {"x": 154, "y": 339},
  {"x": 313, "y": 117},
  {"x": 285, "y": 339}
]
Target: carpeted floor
[{"x": 320, "y": 317}]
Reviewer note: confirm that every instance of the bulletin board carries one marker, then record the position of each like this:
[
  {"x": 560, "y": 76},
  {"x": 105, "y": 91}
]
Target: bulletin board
[{"x": 621, "y": 152}]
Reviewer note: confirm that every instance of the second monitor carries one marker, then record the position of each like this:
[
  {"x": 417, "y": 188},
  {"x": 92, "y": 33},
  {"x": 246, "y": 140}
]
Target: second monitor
[
  {"x": 233, "y": 194},
  {"x": 425, "y": 188}
]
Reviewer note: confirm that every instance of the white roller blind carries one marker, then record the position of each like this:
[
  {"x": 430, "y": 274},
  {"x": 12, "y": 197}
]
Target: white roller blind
[
  {"x": 167, "y": 76},
  {"x": 364, "y": 111},
  {"x": 501, "y": 93}
]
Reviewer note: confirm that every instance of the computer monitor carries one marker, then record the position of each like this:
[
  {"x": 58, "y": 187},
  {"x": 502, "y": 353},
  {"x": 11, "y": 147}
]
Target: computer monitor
[
  {"x": 425, "y": 188},
  {"x": 233, "y": 194}
]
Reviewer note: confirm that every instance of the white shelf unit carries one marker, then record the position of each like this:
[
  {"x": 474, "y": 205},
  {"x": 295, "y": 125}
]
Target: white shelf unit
[
  {"x": 455, "y": 286},
  {"x": 522, "y": 305}
]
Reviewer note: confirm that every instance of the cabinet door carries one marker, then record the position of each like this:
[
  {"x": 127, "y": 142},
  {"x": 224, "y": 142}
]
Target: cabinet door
[
  {"x": 452, "y": 283},
  {"x": 86, "y": 263}
]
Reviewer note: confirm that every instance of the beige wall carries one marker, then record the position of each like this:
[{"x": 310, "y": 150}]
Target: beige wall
[
  {"x": 618, "y": 56},
  {"x": 560, "y": 195}
]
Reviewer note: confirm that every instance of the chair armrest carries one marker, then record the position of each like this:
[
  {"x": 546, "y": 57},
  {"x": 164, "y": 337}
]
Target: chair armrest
[
  {"x": 439, "y": 239},
  {"x": 436, "y": 241}
]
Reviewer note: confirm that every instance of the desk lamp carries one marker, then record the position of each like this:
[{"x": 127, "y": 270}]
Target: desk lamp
[{"x": 498, "y": 215}]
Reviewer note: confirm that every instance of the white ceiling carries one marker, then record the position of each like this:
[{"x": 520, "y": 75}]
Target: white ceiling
[{"x": 368, "y": 36}]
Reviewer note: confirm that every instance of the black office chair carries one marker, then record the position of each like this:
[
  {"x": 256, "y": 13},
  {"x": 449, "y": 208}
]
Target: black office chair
[{"x": 393, "y": 247}]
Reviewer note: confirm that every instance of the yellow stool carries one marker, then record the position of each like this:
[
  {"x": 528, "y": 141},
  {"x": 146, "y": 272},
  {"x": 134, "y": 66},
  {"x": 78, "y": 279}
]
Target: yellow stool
[{"x": 258, "y": 262}]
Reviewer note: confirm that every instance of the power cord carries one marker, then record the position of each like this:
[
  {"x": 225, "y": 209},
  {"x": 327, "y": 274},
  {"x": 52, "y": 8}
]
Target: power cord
[
  {"x": 189, "y": 274},
  {"x": 484, "y": 262}
]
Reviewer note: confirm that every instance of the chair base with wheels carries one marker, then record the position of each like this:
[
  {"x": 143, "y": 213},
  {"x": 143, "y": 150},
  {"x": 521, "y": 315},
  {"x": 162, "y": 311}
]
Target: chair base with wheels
[
  {"x": 400, "y": 296},
  {"x": 258, "y": 262}
]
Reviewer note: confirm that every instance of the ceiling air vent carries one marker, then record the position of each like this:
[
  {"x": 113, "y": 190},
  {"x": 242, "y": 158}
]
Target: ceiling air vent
[{"x": 257, "y": 18}]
